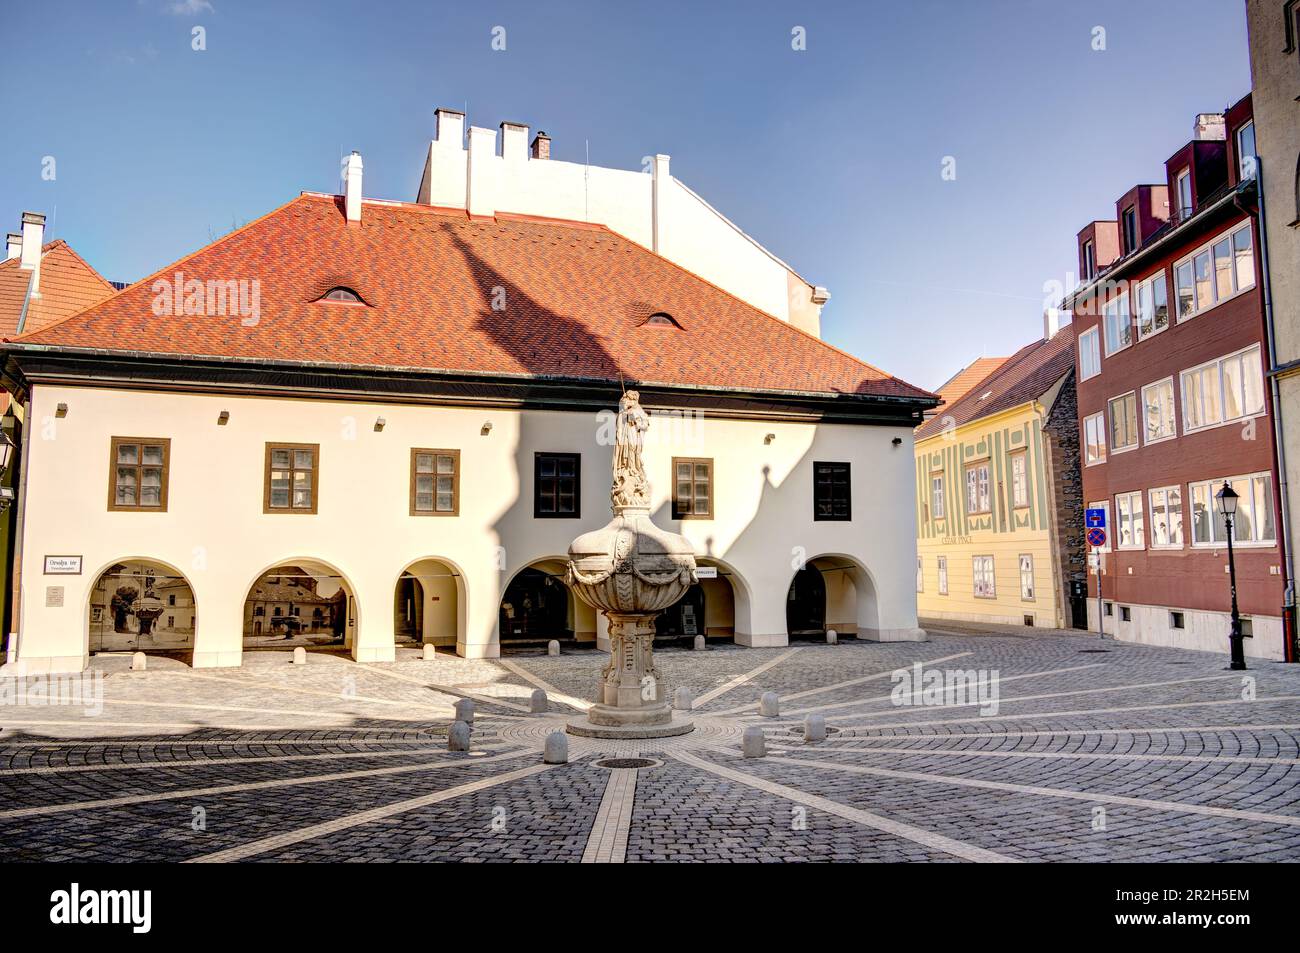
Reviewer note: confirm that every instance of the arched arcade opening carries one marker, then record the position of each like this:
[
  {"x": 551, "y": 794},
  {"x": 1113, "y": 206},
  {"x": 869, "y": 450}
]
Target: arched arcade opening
[
  {"x": 302, "y": 602},
  {"x": 831, "y": 592},
  {"x": 710, "y": 608},
  {"x": 428, "y": 604},
  {"x": 142, "y": 605},
  {"x": 538, "y": 606}
]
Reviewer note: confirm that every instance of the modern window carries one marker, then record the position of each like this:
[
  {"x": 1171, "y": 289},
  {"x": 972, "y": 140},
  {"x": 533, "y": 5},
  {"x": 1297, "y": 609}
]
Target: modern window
[
  {"x": 138, "y": 468},
  {"x": 1118, "y": 323},
  {"x": 435, "y": 482},
  {"x": 557, "y": 490},
  {"x": 1166, "y": 517},
  {"x": 984, "y": 586},
  {"x": 1246, "y": 150},
  {"x": 920, "y": 575},
  {"x": 1152, "y": 306},
  {"x": 936, "y": 496},
  {"x": 1215, "y": 272},
  {"x": 1019, "y": 479},
  {"x": 943, "y": 575},
  {"x": 977, "y": 489},
  {"x": 1253, "y": 523},
  {"x": 1177, "y": 620},
  {"x": 1089, "y": 261},
  {"x": 1231, "y": 388},
  {"x": 1183, "y": 189},
  {"x": 1129, "y": 216},
  {"x": 832, "y": 492},
  {"x": 1130, "y": 526},
  {"x": 1158, "y": 413},
  {"x": 1089, "y": 354},
  {"x": 1094, "y": 438},
  {"x": 1026, "y": 577},
  {"x": 1123, "y": 421},
  {"x": 292, "y": 478},
  {"x": 1125, "y": 613},
  {"x": 692, "y": 488}
]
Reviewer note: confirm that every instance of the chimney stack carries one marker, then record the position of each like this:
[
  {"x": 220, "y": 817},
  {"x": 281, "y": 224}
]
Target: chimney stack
[
  {"x": 481, "y": 180},
  {"x": 514, "y": 142},
  {"x": 449, "y": 127},
  {"x": 541, "y": 147},
  {"x": 1051, "y": 323},
  {"x": 1210, "y": 127},
  {"x": 658, "y": 188},
  {"x": 33, "y": 240},
  {"x": 13, "y": 245},
  {"x": 352, "y": 187}
]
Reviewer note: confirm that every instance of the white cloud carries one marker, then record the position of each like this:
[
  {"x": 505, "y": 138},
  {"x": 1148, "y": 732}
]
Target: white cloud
[{"x": 190, "y": 8}]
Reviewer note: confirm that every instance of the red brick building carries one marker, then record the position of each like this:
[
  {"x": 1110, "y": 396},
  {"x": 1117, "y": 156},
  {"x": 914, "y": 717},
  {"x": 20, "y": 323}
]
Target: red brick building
[{"x": 1172, "y": 400}]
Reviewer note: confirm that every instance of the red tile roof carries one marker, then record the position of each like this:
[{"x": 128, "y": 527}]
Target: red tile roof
[
  {"x": 512, "y": 295},
  {"x": 1027, "y": 375},
  {"x": 67, "y": 285},
  {"x": 960, "y": 383}
]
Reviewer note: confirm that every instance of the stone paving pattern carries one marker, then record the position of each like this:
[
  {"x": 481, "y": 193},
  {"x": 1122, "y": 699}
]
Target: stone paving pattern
[{"x": 1098, "y": 751}]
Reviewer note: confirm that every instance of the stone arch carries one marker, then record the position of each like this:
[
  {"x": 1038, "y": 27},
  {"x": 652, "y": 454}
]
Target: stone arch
[
  {"x": 722, "y": 602},
  {"x": 848, "y": 599},
  {"x": 531, "y": 607},
  {"x": 430, "y": 603},
  {"x": 141, "y": 604},
  {"x": 301, "y": 601}
]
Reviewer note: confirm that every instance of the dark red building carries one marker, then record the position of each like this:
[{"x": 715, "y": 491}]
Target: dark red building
[{"x": 1172, "y": 400}]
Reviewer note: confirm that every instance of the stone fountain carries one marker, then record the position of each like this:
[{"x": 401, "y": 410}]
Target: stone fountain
[{"x": 631, "y": 570}]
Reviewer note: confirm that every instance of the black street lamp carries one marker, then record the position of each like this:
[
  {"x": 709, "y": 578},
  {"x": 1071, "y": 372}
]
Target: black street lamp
[
  {"x": 1227, "y": 498},
  {"x": 6, "y": 456}
]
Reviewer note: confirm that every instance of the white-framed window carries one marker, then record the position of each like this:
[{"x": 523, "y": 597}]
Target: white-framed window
[
  {"x": 1089, "y": 261},
  {"x": 936, "y": 496},
  {"x": 1019, "y": 479},
  {"x": 943, "y": 575},
  {"x": 1218, "y": 270},
  {"x": 1110, "y": 528},
  {"x": 1118, "y": 323},
  {"x": 982, "y": 569},
  {"x": 920, "y": 575},
  {"x": 1231, "y": 388},
  {"x": 1183, "y": 190},
  {"x": 1026, "y": 577},
  {"x": 1152, "y": 306},
  {"x": 1253, "y": 524},
  {"x": 1130, "y": 527},
  {"x": 1089, "y": 354},
  {"x": 1166, "y": 517},
  {"x": 977, "y": 489},
  {"x": 1094, "y": 438},
  {"x": 1158, "y": 415},
  {"x": 1246, "y": 150},
  {"x": 1123, "y": 421}
]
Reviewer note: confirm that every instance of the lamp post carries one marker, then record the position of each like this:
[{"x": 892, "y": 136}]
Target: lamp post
[
  {"x": 6, "y": 455},
  {"x": 1227, "y": 498}
]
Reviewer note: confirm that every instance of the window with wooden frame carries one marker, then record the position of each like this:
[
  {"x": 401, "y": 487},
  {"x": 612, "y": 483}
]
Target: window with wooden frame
[
  {"x": 435, "y": 482},
  {"x": 832, "y": 492},
  {"x": 292, "y": 478},
  {"x": 557, "y": 492},
  {"x": 692, "y": 488},
  {"x": 138, "y": 469},
  {"x": 1020, "y": 479}
]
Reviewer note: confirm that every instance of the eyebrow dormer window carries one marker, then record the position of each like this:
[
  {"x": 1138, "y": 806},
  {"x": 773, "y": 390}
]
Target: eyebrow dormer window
[
  {"x": 341, "y": 295},
  {"x": 660, "y": 319}
]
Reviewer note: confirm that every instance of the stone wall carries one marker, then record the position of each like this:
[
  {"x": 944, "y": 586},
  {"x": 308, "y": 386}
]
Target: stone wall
[{"x": 1066, "y": 463}]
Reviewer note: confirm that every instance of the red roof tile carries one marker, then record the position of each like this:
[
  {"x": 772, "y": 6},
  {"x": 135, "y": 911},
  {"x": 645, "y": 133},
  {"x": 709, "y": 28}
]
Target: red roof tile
[
  {"x": 960, "y": 383},
  {"x": 510, "y": 295},
  {"x": 67, "y": 285}
]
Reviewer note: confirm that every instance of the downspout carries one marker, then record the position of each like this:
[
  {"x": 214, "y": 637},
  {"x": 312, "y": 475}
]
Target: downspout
[{"x": 1289, "y": 652}]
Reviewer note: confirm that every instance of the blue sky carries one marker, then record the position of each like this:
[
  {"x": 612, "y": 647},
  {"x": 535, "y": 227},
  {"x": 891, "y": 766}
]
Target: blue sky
[{"x": 830, "y": 156}]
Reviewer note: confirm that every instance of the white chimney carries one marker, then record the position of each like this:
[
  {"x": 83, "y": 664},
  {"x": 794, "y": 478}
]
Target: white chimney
[
  {"x": 662, "y": 180},
  {"x": 13, "y": 245},
  {"x": 1210, "y": 127},
  {"x": 33, "y": 240},
  {"x": 514, "y": 142},
  {"x": 449, "y": 128},
  {"x": 1051, "y": 323},
  {"x": 352, "y": 187},
  {"x": 481, "y": 198}
]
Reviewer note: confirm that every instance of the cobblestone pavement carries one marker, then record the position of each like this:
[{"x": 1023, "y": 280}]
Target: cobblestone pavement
[{"x": 1047, "y": 746}]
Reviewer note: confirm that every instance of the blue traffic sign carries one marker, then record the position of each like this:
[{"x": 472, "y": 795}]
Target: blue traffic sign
[
  {"x": 1094, "y": 519},
  {"x": 1096, "y": 537}
]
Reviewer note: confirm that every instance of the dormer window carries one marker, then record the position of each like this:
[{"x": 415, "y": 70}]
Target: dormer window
[
  {"x": 660, "y": 319},
  {"x": 1183, "y": 189},
  {"x": 1089, "y": 261},
  {"x": 1130, "y": 230},
  {"x": 341, "y": 295}
]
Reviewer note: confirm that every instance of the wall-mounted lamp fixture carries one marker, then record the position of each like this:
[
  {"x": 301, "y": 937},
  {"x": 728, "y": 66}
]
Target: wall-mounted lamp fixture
[
  {"x": 486, "y": 429},
  {"x": 223, "y": 418},
  {"x": 6, "y": 457},
  {"x": 769, "y": 438},
  {"x": 898, "y": 441},
  {"x": 379, "y": 424},
  {"x": 61, "y": 410}
]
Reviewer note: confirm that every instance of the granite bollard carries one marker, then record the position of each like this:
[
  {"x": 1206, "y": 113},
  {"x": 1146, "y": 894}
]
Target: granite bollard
[
  {"x": 814, "y": 728},
  {"x": 769, "y": 706},
  {"x": 557, "y": 748},
  {"x": 537, "y": 702},
  {"x": 465, "y": 710},
  {"x": 753, "y": 744},
  {"x": 458, "y": 736},
  {"x": 683, "y": 699}
]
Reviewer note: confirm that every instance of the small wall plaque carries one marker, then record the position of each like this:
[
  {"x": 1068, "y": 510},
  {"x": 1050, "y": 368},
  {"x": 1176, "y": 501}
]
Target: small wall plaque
[
  {"x": 53, "y": 597},
  {"x": 63, "y": 566}
]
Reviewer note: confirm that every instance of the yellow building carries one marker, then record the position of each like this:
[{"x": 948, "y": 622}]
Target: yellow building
[{"x": 1000, "y": 516}]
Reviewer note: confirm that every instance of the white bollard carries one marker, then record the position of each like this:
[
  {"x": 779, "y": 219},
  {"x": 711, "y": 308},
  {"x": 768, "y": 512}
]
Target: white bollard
[
  {"x": 699, "y": 643},
  {"x": 752, "y": 743},
  {"x": 458, "y": 736},
  {"x": 430, "y": 652},
  {"x": 683, "y": 699},
  {"x": 832, "y": 637},
  {"x": 557, "y": 748},
  {"x": 138, "y": 662},
  {"x": 553, "y": 647},
  {"x": 300, "y": 656},
  {"x": 537, "y": 701},
  {"x": 769, "y": 706},
  {"x": 465, "y": 710},
  {"x": 814, "y": 728}
]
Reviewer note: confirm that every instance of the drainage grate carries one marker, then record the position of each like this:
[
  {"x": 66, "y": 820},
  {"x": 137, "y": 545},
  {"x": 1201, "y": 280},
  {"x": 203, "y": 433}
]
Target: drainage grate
[
  {"x": 798, "y": 730},
  {"x": 1094, "y": 651},
  {"x": 626, "y": 763}
]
